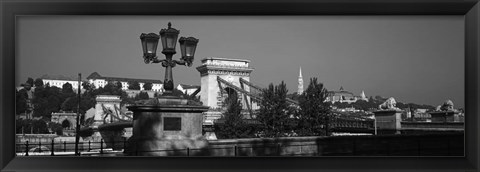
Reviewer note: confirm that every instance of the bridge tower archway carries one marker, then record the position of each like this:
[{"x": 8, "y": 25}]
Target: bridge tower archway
[
  {"x": 231, "y": 94},
  {"x": 66, "y": 124}
]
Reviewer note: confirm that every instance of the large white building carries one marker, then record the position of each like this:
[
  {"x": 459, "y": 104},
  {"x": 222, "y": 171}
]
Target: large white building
[
  {"x": 58, "y": 81},
  {"x": 100, "y": 81},
  {"x": 344, "y": 96}
]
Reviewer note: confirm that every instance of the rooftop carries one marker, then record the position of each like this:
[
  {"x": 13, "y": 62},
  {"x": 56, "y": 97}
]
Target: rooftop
[
  {"x": 58, "y": 77},
  {"x": 185, "y": 86},
  {"x": 225, "y": 59},
  {"x": 96, "y": 75}
]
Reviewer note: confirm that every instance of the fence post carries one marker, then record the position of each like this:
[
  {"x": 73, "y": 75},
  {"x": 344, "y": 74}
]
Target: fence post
[
  {"x": 448, "y": 147},
  {"x": 124, "y": 144},
  {"x": 89, "y": 148},
  {"x": 39, "y": 146},
  {"x": 26, "y": 149},
  {"x": 53, "y": 148},
  {"x": 301, "y": 153},
  {"x": 419, "y": 149},
  {"x": 113, "y": 144},
  {"x": 136, "y": 148},
  {"x": 188, "y": 151},
  {"x": 64, "y": 146},
  {"x": 101, "y": 146},
  {"x": 278, "y": 149},
  {"x": 235, "y": 151}
]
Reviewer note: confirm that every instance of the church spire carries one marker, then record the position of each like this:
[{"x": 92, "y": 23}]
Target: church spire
[
  {"x": 300, "y": 82},
  {"x": 362, "y": 95}
]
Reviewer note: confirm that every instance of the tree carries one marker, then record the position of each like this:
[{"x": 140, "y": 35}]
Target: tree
[
  {"x": 314, "y": 110},
  {"x": 275, "y": 111},
  {"x": 88, "y": 86},
  {"x": 234, "y": 125},
  {"x": 29, "y": 81},
  {"x": 21, "y": 101},
  {"x": 67, "y": 89},
  {"x": 142, "y": 96},
  {"x": 119, "y": 85},
  {"x": 147, "y": 86},
  {"x": 31, "y": 126},
  {"x": 38, "y": 82},
  {"x": 39, "y": 127},
  {"x": 293, "y": 96},
  {"x": 56, "y": 128},
  {"x": 47, "y": 100},
  {"x": 70, "y": 104},
  {"x": 133, "y": 85}
]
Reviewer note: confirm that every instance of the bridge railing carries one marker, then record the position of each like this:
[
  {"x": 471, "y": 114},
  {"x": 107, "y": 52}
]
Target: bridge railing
[
  {"x": 448, "y": 144},
  {"x": 351, "y": 123},
  {"x": 68, "y": 148}
]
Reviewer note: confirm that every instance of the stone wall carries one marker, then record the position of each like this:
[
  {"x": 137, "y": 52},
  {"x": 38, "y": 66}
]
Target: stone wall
[
  {"x": 450, "y": 144},
  {"x": 433, "y": 125}
]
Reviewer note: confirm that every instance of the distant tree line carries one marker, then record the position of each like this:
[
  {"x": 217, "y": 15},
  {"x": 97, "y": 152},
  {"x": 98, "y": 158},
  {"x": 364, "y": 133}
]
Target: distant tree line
[
  {"x": 373, "y": 103},
  {"x": 48, "y": 99}
]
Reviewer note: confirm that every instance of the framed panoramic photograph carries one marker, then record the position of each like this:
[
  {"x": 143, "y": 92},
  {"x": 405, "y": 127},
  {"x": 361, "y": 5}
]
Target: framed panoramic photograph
[{"x": 239, "y": 85}]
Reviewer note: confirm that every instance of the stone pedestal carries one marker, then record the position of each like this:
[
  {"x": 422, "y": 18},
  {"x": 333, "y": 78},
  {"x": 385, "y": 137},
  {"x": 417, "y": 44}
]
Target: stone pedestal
[
  {"x": 388, "y": 120},
  {"x": 443, "y": 116},
  {"x": 114, "y": 134},
  {"x": 167, "y": 126}
]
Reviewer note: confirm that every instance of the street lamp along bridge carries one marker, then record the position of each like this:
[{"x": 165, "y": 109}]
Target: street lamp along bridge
[
  {"x": 168, "y": 37},
  {"x": 167, "y": 122}
]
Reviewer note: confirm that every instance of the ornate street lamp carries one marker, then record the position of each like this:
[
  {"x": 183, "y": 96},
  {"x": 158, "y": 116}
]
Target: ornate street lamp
[{"x": 169, "y": 38}]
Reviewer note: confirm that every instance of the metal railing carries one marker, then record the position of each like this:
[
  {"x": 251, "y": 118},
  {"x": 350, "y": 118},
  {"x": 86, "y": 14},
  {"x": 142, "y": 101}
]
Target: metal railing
[
  {"x": 389, "y": 145},
  {"x": 68, "y": 148}
]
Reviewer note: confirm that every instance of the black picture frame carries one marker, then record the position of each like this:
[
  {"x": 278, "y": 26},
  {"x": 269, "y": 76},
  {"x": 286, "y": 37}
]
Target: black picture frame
[{"x": 9, "y": 9}]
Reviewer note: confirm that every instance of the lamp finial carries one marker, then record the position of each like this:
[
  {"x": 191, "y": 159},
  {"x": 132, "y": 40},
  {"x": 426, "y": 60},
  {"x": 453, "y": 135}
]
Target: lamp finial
[{"x": 169, "y": 25}]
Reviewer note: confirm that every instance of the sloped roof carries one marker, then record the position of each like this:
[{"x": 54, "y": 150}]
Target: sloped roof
[
  {"x": 58, "y": 77},
  {"x": 96, "y": 75},
  {"x": 185, "y": 86}
]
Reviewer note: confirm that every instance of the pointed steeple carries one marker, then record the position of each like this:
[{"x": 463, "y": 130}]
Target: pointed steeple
[
  {"x": 362, "y": 95},
  {"x": 300, "y": 82},
  {"x": 300, "y": 75},
  {"x": 341, "y": 88}
]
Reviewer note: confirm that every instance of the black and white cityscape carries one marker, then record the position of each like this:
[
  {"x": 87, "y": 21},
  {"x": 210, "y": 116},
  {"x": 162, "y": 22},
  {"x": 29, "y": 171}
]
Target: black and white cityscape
[{"x": 240, "y": 86}]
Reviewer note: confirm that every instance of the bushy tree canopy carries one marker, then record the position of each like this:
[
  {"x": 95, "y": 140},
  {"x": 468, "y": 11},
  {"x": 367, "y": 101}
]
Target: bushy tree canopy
[
  {"x": 133, "y": 85},
  {"x": 142, "y": 96},
  {"x": 313, "y": 114},
  {"x": 38, "y": 82},
  {"x": 275, "y": 111},
  {"x": 29, "y": 81},
  {"x": 147, "y": 86},
  {"x": 234, "y": 125}
]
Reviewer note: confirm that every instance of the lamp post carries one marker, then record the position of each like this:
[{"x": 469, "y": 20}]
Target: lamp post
[{"x": 169, "y": 38}]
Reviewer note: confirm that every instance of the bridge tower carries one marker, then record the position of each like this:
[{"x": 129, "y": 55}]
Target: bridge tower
[
  {"x": 231, "y": 70},
  {"x": 108, "y": 103}
]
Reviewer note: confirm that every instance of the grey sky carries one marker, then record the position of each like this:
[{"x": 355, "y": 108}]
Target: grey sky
[{"x": 416, "y": 59}]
